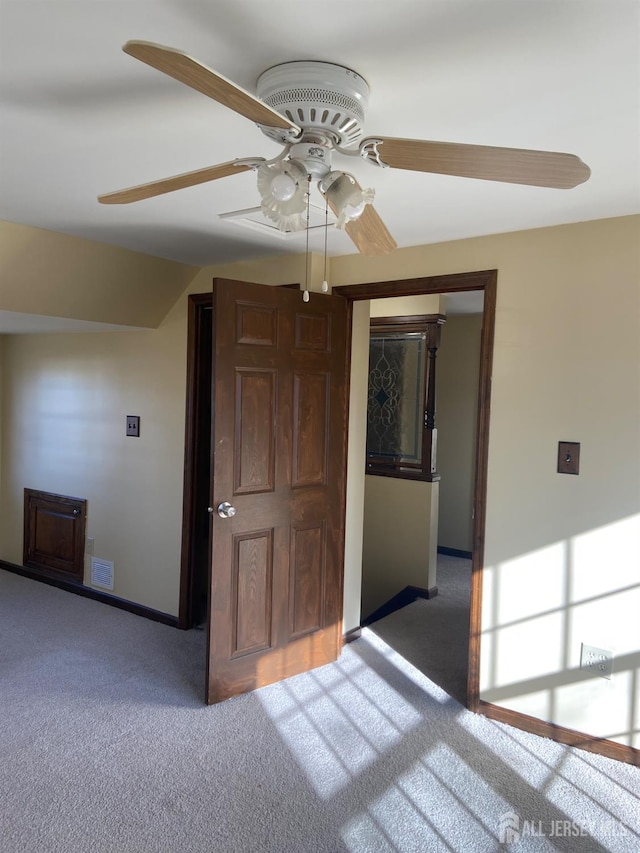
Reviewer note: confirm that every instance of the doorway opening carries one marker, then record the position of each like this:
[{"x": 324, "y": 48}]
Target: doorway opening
[
  {"x": 196, "y": 552},
  {"x": 421, "y": 432},
  {"x": 485, "y": 282}
]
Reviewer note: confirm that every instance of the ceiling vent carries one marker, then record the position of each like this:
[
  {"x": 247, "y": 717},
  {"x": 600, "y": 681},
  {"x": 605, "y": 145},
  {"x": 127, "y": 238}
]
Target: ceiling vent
[{"x": 253, "y": 217}]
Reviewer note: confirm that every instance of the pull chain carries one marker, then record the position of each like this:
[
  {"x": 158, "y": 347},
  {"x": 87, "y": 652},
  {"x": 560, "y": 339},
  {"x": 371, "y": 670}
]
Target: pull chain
[
  {"x": 305, "y": 295},
  {"x": 325, "y": 283}
]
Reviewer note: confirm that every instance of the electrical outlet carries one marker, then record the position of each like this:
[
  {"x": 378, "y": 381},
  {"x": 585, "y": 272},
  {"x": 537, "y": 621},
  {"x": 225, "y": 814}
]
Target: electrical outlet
[
  {"x": 90, "y": 545},
  {"x": 599, "y": 661}
]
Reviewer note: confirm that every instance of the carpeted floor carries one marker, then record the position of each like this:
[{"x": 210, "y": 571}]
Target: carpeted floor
[
  {"x": 106, "y": 747},
  {"x": 433, "y": 634}
]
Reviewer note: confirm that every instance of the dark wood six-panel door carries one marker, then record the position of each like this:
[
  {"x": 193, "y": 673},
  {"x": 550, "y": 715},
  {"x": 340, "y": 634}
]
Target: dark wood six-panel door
[{"x": 279, "y": 449}]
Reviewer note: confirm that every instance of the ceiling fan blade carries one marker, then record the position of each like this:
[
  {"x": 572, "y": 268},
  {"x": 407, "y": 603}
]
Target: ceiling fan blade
[
  {"x": 177, "y": 182},
  {"x": 511, "y": 165},
  {"x": 368, "y": 231},
  {"x": 183, "y": 68}
]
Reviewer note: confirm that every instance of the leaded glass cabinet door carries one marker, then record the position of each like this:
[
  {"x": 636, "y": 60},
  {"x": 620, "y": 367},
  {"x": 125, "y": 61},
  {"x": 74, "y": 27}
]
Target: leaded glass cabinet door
[
  {"x": 401, "y": 394},
  {"x": 395, "y": 404}
]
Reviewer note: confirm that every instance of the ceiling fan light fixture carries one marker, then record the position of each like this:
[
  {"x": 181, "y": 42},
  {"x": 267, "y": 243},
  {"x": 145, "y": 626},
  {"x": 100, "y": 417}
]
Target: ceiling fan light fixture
[
  {"x": 346, "y": 198},
  {"x": 283, "y": 194},
  {"x": 353, "y": 208}
]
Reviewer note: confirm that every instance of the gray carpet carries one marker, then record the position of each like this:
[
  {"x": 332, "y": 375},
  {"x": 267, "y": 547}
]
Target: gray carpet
[
  {"x": 433, "y": 634},
  {"x": 105, "y": 746}
]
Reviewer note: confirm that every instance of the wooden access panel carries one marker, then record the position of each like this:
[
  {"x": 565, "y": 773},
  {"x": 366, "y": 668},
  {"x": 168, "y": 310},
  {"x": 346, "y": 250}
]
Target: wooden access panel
[{"x": 54, "y": 534}]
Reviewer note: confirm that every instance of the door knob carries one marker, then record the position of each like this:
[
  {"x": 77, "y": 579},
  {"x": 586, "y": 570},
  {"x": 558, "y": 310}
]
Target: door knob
[{"x": 226, "y": 510}]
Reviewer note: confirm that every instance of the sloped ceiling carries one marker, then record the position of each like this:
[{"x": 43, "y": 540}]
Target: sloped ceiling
[
  {"x": 56, "y": 282},
  {"x": 79, "y": 117}
]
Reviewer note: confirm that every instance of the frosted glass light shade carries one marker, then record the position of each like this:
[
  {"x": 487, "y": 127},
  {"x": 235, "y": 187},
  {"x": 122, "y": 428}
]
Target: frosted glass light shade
[
  {"x": 347, "y": 199},
  {"x": 283, "y": 194}
]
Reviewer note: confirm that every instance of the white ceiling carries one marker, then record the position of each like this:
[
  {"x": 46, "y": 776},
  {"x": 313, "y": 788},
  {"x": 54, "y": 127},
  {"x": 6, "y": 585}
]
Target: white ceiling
[{"x": 78, "y": 117}]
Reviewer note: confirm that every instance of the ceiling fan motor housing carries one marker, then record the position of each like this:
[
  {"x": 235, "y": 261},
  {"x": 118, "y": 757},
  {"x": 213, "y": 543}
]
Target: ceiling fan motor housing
[{"x": 322, "y": 98}]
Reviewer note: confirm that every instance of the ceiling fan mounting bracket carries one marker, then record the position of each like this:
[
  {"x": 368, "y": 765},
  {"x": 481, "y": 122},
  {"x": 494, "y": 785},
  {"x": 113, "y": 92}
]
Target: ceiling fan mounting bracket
[
  {"x": 319, "y": 97},
  {"x": 250, "y": 162},
  {"x": 369, "y": 151}
]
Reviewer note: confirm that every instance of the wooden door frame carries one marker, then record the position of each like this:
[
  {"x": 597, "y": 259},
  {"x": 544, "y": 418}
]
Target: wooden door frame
[
  {"x": 485, "y": 281},
  {"x": 198, "y": 303}
]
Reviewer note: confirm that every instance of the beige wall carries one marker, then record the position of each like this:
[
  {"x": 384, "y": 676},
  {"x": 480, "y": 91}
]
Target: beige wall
[
  {"x": 399, "y": 550},
  {"x": 457, "y": 372},
  {"x": 65, "y": 401},
  {"x": 405, "y": 306},
  {"x": 45, "y": 273},
  {"x": 561, "y": 552}
]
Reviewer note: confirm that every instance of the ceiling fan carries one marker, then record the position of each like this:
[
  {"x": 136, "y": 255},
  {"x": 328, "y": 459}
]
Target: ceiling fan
[{"x": 314, "y": 109}]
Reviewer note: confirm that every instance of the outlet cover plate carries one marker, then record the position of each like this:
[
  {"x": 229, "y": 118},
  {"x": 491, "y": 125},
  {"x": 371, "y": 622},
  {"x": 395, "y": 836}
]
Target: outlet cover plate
[{"x": 598, "y": 661}]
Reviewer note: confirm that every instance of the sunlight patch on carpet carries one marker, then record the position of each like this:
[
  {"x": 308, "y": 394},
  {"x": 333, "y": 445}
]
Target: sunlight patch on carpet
[{"x": 335, "y": 719}]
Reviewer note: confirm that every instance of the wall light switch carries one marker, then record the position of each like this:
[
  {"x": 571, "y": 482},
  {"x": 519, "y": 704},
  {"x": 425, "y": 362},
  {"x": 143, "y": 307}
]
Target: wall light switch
[
  {"x": 133, "y": 425},
  {"x": 568, "y": 457}
]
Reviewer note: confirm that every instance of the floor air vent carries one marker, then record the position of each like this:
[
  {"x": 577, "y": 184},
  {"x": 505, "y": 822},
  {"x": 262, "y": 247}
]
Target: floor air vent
[{"x": 101, "y": 573}]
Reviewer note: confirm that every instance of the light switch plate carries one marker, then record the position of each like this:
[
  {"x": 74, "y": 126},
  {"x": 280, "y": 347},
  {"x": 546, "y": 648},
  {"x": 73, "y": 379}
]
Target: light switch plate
[
  {"x": 568, "y": 457},
  {"x": 133, "y": 425}
]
